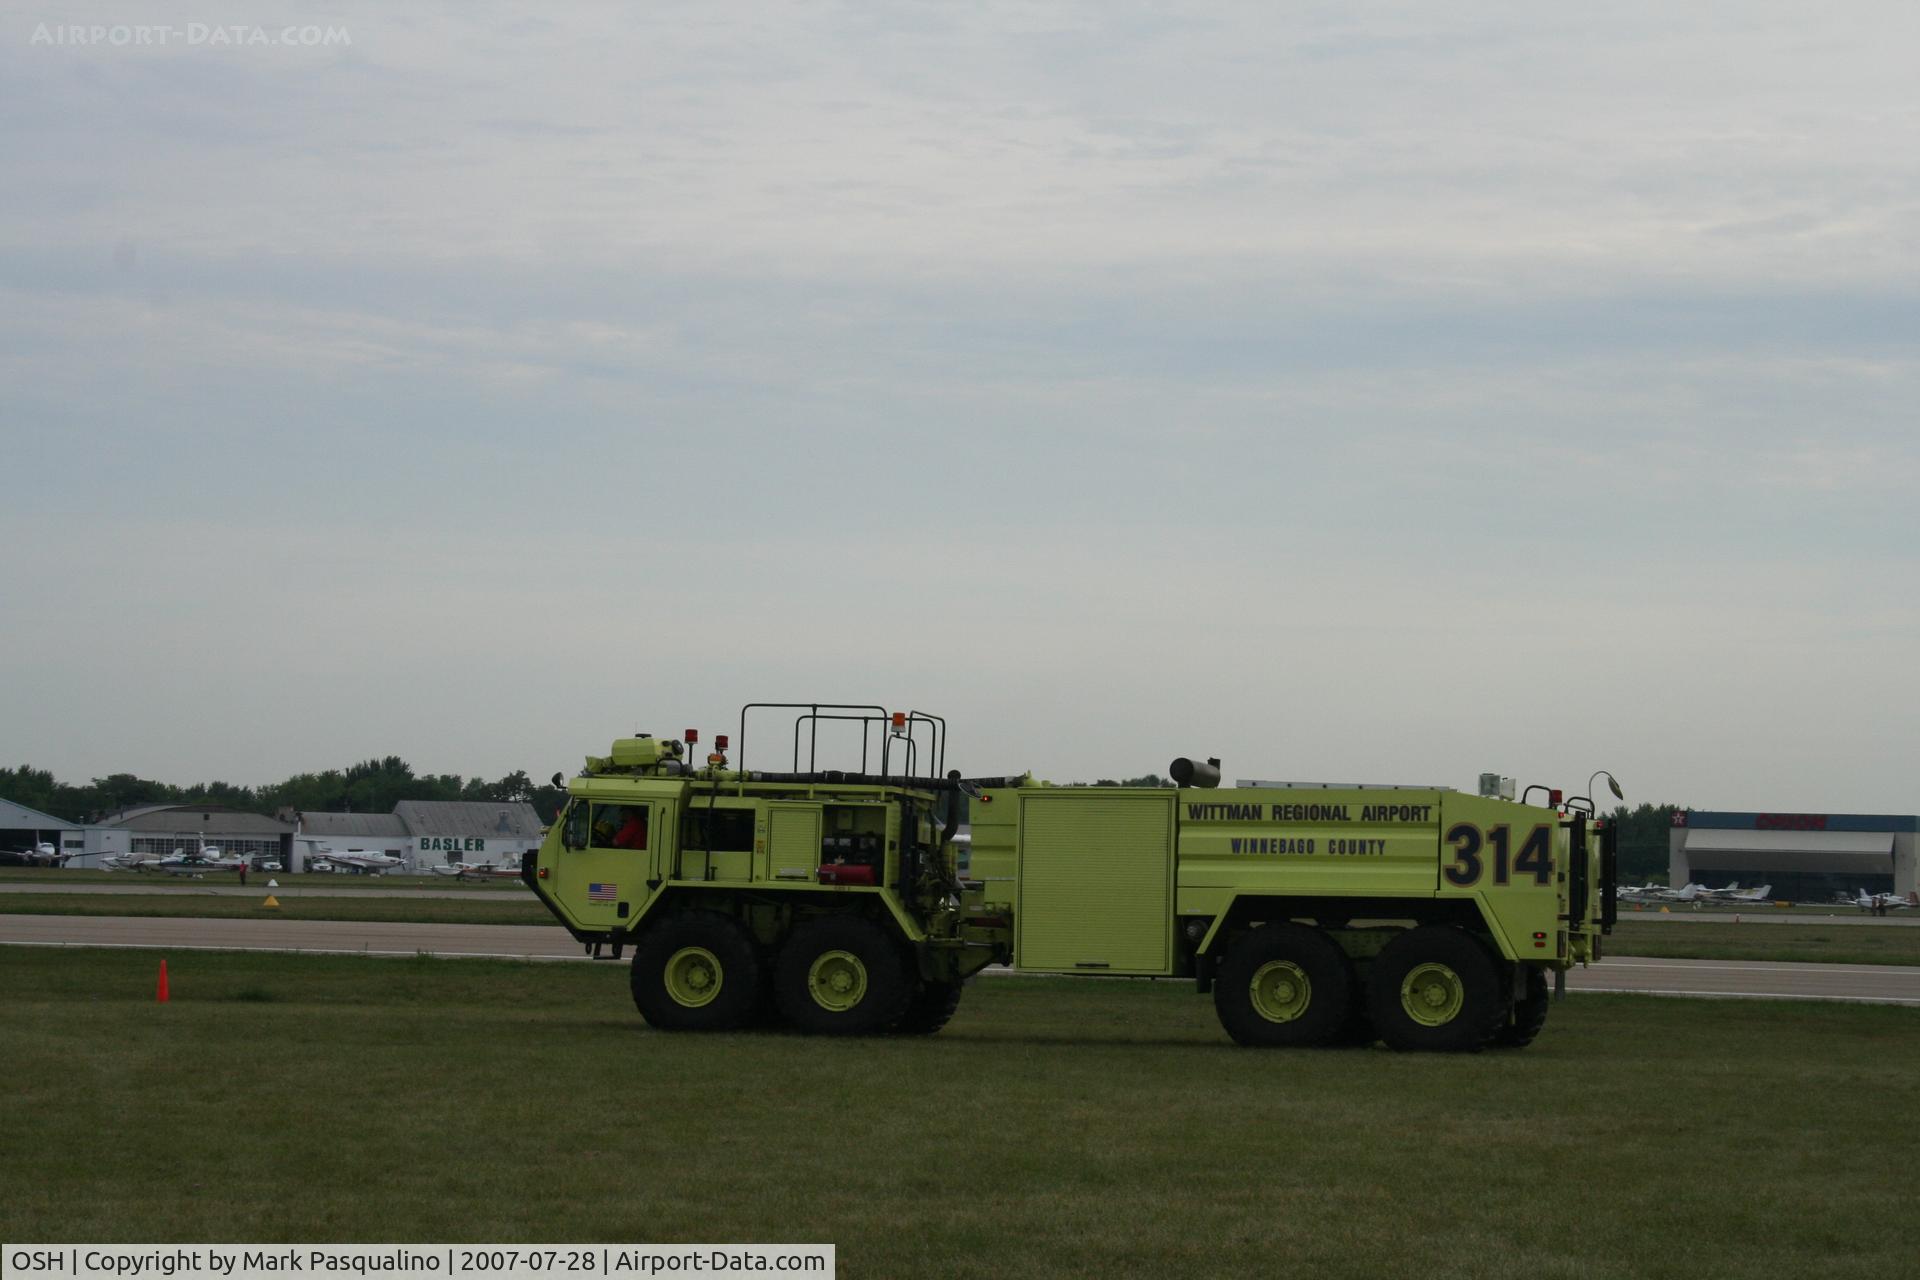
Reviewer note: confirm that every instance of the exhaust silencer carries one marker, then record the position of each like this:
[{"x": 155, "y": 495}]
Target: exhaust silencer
[{"x": 1191, "y": 773}]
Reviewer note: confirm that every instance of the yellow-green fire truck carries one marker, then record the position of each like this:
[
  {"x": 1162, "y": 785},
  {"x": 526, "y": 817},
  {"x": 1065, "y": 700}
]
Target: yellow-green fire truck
[{"x": 832, "y": 900}]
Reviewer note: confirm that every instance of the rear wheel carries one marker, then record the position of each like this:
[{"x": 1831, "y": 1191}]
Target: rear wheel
[
  {"x": 841, "y": 975},
  {"x": 1529, "y": 1013},
  {"x": 1437, "y": 989},
  {"x": 696, "y": 972},
  {"x": 1283, "y": 986},
  {"x": 928, "y": 1009}
]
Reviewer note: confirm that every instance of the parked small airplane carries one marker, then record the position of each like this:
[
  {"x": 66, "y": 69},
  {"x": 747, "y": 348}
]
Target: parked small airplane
[
  {"x": 479, "y": 871},
  {"x": 1873, "y": 901},
  {"x": 202, "y": 860},
  {"x": 1734, "y": 893},
  {"x": 42, "y": 854},
  {"x": 1660, "y": 893},
  {"x": 358, "y": 861}
]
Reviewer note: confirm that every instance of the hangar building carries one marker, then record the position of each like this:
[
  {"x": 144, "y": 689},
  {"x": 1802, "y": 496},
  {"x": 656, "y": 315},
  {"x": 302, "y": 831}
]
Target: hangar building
[
  {"x": 23, "y": 830},
  {"x": 159, "y": 829},
  {"x": 1806, "y": 857},
  {"x": 448, "y": 831},
  {"x": 315, "y": 835},
  {"x": 423, "y": 834}
]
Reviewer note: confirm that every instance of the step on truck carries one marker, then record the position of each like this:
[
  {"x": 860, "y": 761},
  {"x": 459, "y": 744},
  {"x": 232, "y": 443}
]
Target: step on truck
[{"x": 834, "y": 901}]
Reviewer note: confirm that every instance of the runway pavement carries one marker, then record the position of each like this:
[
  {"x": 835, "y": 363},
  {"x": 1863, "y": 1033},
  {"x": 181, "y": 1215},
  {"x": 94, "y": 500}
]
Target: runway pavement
[
  {"x": 1745, "y": 979},
  {"x": 501, "y": 891},
  {"x": 363, "y": 937},
  {"x": 1752, "y": 979}
]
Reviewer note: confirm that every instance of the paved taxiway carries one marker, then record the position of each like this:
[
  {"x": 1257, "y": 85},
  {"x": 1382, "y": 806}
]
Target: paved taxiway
[
  {"x": 1749, "y": 979},
  {"x": 362, "y": 937},
  {"x": 258, "y": 889}
]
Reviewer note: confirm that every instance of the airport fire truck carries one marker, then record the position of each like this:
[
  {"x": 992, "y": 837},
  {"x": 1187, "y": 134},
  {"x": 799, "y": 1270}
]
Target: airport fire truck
[{"x": 832, "y": 900}]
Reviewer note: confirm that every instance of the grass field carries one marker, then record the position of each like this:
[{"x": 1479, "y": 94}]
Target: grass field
[
  {"x": 1840, "y": 944},
  {"x": 1056, "y": 1128}
]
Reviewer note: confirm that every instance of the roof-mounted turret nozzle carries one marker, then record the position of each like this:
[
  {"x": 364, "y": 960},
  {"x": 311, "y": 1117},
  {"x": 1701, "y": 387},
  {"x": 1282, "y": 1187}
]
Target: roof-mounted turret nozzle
[{"x": 1191, "y": 773}]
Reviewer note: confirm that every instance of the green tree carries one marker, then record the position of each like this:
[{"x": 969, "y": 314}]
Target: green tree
[
  {"x": 36, "y": 789},
  {"x": 547, "y": 801},
  {"x": 375, "y": 786},
  {"x": 124, "y": 790},
  {"x": 307, "y": 792},
  {"x": 371, "y": 786},
  {"x": 1645, "y": 835}
]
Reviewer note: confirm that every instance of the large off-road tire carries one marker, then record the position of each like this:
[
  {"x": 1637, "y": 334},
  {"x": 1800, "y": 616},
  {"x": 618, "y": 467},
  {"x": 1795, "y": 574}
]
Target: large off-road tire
[
  {"x": 1283, "y": 986},
  {"x": 1437, "y": 989},
  {"x": 1529, "y": 1013},
  {"x": 696, "y": 972},
  {"x": 841, "y": 975},
  {"x": 928, "y": 1009}
]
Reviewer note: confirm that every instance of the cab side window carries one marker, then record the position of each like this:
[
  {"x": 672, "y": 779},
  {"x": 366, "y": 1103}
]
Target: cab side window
[
  {"x": 620, "y": 826},
  {"x": 717, "y": 829},
  {"x": 574, "y": 834}
]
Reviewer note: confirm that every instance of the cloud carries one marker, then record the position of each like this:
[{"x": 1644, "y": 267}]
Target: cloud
[{"x": 1350, "y": 388}]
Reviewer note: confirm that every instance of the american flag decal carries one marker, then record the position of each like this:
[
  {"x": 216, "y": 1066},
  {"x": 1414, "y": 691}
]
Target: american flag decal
[{"x": 602, "y": 892}]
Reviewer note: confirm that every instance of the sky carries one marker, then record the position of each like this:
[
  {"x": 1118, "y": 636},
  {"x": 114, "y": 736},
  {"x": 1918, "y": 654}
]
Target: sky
[{"x": 1353, "y": 392}]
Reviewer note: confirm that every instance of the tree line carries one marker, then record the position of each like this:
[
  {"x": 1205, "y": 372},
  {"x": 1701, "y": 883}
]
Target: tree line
[
  {"x": 1643, "y": 840},
  {"x": 371, "y": 786}
]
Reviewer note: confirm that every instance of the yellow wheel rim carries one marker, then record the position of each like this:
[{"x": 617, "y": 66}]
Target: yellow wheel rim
[
  {"x": 837, "y": 980},
  {"x": 1432, "y": 994},
  {"x": 1280, "y": 991},
  {"x": 694, "y": 977}
]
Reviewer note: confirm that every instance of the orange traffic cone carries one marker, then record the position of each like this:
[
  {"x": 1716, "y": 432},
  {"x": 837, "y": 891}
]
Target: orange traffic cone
[{"x": 160, "y": 991}]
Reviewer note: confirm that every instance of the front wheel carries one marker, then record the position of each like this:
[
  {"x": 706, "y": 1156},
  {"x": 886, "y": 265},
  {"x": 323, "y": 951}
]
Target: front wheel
[
  {"x": 696, "y": 972},
  {"x": 928, "y": 1009},
  {"x": 1435, "y": 988},
  {"x": 841, "y": 975},
  {"x": 1283, "y": 986}
]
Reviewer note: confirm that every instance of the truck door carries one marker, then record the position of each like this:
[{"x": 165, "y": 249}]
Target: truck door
[
  {"x": 792, "y": 844},
  {"x": 607, "y": 859},
  {"x": 1094, "y": 881}
]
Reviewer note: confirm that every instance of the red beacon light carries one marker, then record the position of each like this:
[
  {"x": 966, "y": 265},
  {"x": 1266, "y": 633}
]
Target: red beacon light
[
  {"x": 692, "y": 737},
  {"x": 1554, "y": 796},
  {"x": 899, "y": 722},
  {"x": 720, "y": 742}
]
